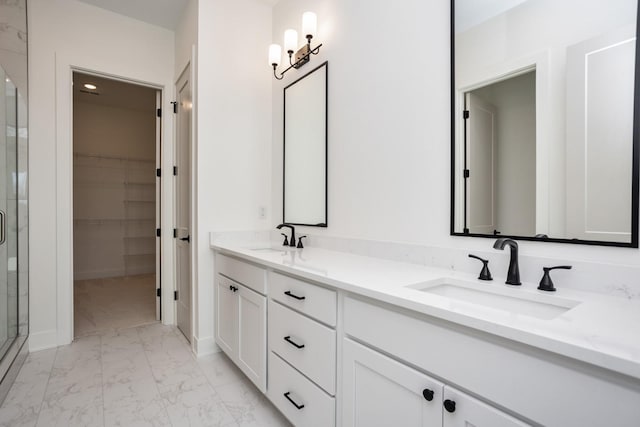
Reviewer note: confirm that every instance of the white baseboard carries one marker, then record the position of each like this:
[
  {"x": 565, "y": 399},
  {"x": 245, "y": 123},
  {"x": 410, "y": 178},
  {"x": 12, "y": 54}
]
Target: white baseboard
[
  {"x": 43, "y": 340},
  {"x": 204, "y": 346}
]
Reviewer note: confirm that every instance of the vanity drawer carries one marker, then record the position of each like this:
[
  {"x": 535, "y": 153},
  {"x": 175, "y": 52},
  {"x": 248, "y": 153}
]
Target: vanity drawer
[
  {"x": 309, "y": 405},
  {"x": 317, "y": 359},
  {"x": 314, "y": 301},
  {"x": 242, "y": 272}
]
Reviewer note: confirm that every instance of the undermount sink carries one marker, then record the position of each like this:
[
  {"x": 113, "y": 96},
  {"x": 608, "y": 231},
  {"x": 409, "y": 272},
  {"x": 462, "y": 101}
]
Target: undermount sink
[{"x": 507, "y": 300}]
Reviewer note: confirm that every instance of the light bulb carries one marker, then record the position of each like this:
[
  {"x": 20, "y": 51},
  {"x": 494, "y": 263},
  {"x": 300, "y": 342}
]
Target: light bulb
[
  {"x": 275, "y": 54},
  {"x": 290, "y": 40},
  {"x": 309, "y": 24}
]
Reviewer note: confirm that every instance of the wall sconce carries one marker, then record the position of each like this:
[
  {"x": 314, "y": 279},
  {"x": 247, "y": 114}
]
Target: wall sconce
[{"x": 309, "y": 27}]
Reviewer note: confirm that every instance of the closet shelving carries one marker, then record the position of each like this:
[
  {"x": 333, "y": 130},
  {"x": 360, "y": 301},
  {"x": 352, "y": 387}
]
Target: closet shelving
[{"x": 120, "y": 192}]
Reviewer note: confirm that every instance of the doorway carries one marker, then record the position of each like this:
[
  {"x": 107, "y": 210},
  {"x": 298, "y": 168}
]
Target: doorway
[{"x": 116, "y": 152}]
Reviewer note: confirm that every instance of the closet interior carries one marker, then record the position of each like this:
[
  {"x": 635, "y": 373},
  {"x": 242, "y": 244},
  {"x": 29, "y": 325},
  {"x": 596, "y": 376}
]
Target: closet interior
[{"x": 115, "y": 128}]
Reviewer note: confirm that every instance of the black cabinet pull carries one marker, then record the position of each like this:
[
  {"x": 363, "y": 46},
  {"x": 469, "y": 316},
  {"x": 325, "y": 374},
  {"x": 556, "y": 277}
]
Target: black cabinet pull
[
  {"x": 428, "y": 394},
  {"x": 233, "y": 288},
  {"x": 292, "y": 402},
  {"x": 289, "y": 294},
  {"x": 288, "y": 339},
  {"x": 450, "y": 405},
  {"x": 230, "y": 288}
]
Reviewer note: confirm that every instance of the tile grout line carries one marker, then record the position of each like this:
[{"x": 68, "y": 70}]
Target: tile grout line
[
  {"x": 155, "y": 380},
  {"x": 55, "y": 357}
]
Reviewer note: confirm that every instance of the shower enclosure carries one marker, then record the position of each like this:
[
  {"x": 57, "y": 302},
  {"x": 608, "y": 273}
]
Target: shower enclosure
[{"x": 14, "y": 236}]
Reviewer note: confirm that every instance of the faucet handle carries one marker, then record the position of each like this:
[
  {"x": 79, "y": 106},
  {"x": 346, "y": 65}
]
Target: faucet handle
[
  {"x": 546, "y": 284},
  {"x": 286, "y": 240},
  {"x": 300, "y": 242},
  {"x": 485, "y": 274}
]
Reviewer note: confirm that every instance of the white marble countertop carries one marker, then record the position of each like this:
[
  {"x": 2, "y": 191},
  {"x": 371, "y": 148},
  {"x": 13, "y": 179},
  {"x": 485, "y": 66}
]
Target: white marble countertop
[{"x": 600, "y": 330}]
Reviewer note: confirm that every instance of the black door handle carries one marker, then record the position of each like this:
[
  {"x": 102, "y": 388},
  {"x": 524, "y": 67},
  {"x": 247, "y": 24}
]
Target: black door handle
[
  {"x": 449, "y": 405},
  {"x": 292, "y": 402},
  {"x": 288, "y": 339},
  {"x": 289, "y": 294},
  {"x": 186, "y": 239}
]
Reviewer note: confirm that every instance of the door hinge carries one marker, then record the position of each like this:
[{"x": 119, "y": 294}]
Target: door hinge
[
  {"x": 158, "y": 173},
  {"x": 158, "y": 293},
  {"x": 159, "y": 112},
  {"x": 466, "y": 173},
  {"x": 175, "y": 295},
  {"x": 465, "y": 230},
  {"x": 175, "y": 171},
  {"x": 465, "y": 114},
  {"x": 175, "y": 233},
  {"x": 157, "y": 232},
  {"x": 175, "y": 107}
]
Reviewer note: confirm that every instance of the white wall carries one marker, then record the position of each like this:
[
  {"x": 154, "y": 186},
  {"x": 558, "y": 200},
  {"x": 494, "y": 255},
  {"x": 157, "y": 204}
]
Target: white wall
[
  {"x": 65, "y": 34},
  {"x": 389, "y": 127},
  {"x": 234, "y": 134}
]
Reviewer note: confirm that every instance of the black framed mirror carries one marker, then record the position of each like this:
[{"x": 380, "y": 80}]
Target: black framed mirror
[
  {"x": 545, "y": 120},
  {"x": 305, "y": 149}
]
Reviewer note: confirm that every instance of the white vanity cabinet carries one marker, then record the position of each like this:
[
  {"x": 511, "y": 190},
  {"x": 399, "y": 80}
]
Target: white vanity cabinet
[
  {"x": 241, "y": 317},
  {"x": 380, "y": 391},
  {"x": 302, "y": 350},
  {"x": 540, "y": 387}
]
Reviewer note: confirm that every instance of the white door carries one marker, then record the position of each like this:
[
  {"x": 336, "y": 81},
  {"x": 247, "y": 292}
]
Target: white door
[
  {"x": 182, "y": 174},
  {"x": 379, "y": 391},
  {"x": 226, "y": 316},
  {"x": 600, "y": 90},
  {"x": 158, "y": 205},
  {"x": 462, "y": 410},
  {"x": 252, "y": 336},
  {"x": 480, "y": 155}
]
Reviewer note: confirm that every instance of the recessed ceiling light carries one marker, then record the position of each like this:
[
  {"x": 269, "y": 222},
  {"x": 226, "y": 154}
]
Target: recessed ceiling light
[{"x": 90, "y": 86}]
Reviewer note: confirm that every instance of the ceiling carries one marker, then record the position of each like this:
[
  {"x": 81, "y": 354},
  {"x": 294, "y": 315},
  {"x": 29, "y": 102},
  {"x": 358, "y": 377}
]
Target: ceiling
[
  {"x": 163, "y": 13},
  {"x": 470, "y": 13},
  {"x": 113, "y": 93}
]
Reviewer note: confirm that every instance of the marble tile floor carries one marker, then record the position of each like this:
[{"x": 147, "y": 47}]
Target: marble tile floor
[
  {"x": 142, "y": 376},
  {"x": 113, "y": 303}
]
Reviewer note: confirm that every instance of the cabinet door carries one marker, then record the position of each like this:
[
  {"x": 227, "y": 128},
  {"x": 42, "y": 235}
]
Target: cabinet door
[
  {"x": 252, "y": 336},
  {"x": 379, "y": 391},
  {"x": 226, "y": 316},
  {"x": 462, "y": 410}
]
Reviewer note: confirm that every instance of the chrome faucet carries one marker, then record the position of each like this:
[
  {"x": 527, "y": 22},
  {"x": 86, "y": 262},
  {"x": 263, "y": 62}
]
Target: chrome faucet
[
  {"x": 292, "y": 241},
  {"x": 513, "y": 274}
]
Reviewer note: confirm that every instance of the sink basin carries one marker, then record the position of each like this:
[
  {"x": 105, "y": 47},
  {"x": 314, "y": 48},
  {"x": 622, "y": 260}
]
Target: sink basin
[{"x": 512, "y": 301}]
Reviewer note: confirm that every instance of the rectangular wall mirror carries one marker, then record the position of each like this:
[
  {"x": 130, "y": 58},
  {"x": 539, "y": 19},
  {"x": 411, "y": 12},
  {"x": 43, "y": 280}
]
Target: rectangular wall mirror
[
  {"x": 545, "y": 120},
  {"x": 305, "y": 149}
]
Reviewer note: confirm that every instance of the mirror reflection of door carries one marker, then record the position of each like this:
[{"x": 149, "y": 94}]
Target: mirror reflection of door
[
  {"x": 480, "y": 147},
  {"x": 500, "y": 149},
  {"x": 600, "y": 83}
]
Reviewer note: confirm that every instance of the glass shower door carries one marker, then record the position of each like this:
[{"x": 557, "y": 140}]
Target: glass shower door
[{"x": 9, "y": 132}]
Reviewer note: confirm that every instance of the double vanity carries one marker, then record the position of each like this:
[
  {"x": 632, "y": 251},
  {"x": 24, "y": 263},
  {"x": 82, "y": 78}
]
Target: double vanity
[{"x": 334, "y": 338}]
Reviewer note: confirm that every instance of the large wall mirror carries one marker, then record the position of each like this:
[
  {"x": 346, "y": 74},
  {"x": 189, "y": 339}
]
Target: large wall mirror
[
  {"x": 545, "y": 120},
  {"x": 305, "y": 149}
]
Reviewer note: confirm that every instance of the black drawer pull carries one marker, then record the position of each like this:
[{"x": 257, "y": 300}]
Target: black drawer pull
[
  {"x": 450, "y": 405},
  {"x": 288, "y": 339},
  {"x": 298, "y": 407},
  {"x": 427, "y": 394},
  {"x": 289, "y": 294}
]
